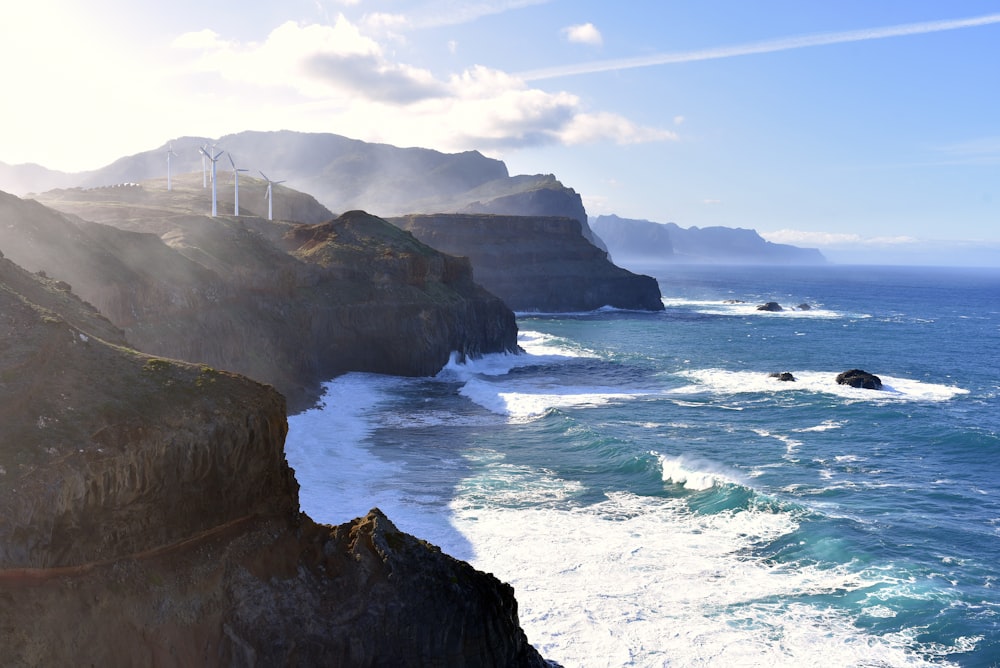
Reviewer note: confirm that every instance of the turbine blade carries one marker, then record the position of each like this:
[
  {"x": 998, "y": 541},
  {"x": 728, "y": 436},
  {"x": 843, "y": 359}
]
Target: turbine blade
[{"x": 230, "y": 156}]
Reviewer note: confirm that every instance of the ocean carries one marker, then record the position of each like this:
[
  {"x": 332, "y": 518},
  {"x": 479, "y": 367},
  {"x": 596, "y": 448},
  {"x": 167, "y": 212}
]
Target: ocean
[{"x": 657, "y": 499}]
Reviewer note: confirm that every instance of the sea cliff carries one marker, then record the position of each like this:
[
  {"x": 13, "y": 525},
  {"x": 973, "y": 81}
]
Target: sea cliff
[
  {"x": 289, "y": 304},
  {"x": 150, "y": 518},
  {"x": 536, "y": 263}
]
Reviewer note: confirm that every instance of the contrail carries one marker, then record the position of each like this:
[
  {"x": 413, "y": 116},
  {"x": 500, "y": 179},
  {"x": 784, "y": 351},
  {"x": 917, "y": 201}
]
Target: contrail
[{"x": 768, "y": 46}]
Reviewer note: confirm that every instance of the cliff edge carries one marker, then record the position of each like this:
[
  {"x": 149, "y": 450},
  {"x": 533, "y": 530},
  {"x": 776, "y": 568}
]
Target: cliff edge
[
  {"x": 290, "y": 304},
  {"x": 542, "y": 264},
  {"x": 150, "y": 518}
]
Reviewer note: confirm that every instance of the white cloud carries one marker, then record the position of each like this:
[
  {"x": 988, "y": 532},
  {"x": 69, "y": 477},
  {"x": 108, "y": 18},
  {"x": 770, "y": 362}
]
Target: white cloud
[
  {"x": 590, "y": 127},
  {"x": 585, "y": 33},
  {"x": 345, "y": 78},
  {"x": 200, "y": 40},
  {"x": 331, "y": 77},
  {"x": 380, "y": 21}
]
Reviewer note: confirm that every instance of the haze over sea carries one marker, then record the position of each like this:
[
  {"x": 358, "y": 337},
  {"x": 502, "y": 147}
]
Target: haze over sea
[{"x": 655, "y": 498}]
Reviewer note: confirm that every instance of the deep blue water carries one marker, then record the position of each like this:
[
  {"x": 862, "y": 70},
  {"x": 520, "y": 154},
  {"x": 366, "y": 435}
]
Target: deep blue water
[{"x": 657, "y": 499}]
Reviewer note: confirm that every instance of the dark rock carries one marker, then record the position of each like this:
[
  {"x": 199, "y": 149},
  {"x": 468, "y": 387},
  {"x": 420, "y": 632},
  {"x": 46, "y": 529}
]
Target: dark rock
[
  {"x": 734, "y": 301},
  {"x": 804, "y": 307},
  {"x": 536, "y": 263},
  {"x": 860, "y": 379},
  {"x": 150, "y": 518},
  {"x": 770, "y": 306},
  {"x": 784, "y": 376}
]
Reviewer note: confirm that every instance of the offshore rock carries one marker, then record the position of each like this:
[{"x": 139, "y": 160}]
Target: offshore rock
[
  {"x": 542, "y": 264},
  {"x": 150, "y": 518},
  {"x": 770, "y": 306},
  {"x": 860, "y": 379},
  {"x": 785, "y": 376}
]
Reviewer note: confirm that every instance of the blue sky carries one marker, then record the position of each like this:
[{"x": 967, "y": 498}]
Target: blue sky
[{"x": 867, "y": 126}]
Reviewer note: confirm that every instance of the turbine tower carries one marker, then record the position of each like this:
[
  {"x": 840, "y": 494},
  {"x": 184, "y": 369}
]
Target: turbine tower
[
  {"x": 214, "y": 160},
  {"x": 204, "y": 170},
  {"x": 269, "y": 195},
  {"x": 236, "y": 176},
  {"x": 170, "y": 152}
]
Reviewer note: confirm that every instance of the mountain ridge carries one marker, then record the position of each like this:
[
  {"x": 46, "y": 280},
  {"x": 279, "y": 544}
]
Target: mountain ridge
[{"x": 643, "y": 242}]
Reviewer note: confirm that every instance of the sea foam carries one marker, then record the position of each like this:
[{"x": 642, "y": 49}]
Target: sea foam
[{"x": 722, "y": 381}]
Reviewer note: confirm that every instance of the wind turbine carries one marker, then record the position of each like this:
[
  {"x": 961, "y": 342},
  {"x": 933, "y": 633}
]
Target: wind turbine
[
  {"x": 170, "y": 152},
  {"x": 214, "y": 160},
  {"x": 204, "y": 171},
  {"x": 269, "y": 195},
  {"x": 236, "y": 176}
]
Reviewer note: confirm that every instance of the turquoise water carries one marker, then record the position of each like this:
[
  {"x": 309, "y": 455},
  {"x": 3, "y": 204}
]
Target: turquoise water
[{"x": 657, "y": 499}]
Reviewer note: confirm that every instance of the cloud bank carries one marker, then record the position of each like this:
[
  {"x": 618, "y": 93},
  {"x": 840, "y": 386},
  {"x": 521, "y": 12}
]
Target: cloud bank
[{"x": 345, "y": 80}]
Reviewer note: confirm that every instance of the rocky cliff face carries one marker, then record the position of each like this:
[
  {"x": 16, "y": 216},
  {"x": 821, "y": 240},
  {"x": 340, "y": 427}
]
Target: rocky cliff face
[
  {"x": 239, "y": 294},
  {"x": 149, "y": 518},
  {"x": 536, "y": 263}
]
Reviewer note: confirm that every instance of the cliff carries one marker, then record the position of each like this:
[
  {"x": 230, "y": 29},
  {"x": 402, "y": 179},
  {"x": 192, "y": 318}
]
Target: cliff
[
  {"x": 236, "y": 293},
  {"x": 536, "y": 263},
  {"x": 645, "y": 242},
  {"x": 150, "y": 518}
]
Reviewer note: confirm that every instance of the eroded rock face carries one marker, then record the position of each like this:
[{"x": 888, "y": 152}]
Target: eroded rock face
[
  {"x": 148, "y": 517},
  {"x": 536, "y": 263},
  {"x": 860, "y": 379},
  {"x": 106, "y": 453}
]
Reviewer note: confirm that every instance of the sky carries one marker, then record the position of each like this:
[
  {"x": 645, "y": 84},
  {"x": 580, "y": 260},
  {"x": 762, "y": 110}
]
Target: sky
[{"x": 858, "y": 127}]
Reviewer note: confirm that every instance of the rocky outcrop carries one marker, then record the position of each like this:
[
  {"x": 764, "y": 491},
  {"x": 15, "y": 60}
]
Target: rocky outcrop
[
  {"x": 860, "y": 379},
  {"x": 536, "y": 264},
  {"x": 785, "y": 376},
  {"x": 773, "y": 307},
  {"x": 150, "y": 518},
  {"x": 436, "y": 307},
  {"x": 239, "y": 294}
]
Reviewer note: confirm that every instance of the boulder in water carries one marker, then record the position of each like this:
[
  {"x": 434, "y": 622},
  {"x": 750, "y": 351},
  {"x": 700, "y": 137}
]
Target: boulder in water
[
  {"x": 859, "y": 378},
  {"x": 784, "y": 376},
  {"x": 770, "y": 306}
]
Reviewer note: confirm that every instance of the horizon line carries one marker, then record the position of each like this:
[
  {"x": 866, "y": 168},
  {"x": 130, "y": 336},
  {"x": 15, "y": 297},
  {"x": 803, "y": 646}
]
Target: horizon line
[{"x": 766, "y": 46}]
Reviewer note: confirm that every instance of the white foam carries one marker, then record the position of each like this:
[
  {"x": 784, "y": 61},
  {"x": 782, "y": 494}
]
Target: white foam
[
  {"x": 723, "y": 381},
  {"x": 692, "y": 474},
  {"x": 539, "y": 348},
  {"x": 640, "y": 581},
  {"x": 341, "y": 479},
  {"x": 737, "y": 308},
  {"x": 529, "y": 400},
  {"x": 628, "y": 581},
  {"x": 826, "y": 425}
]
